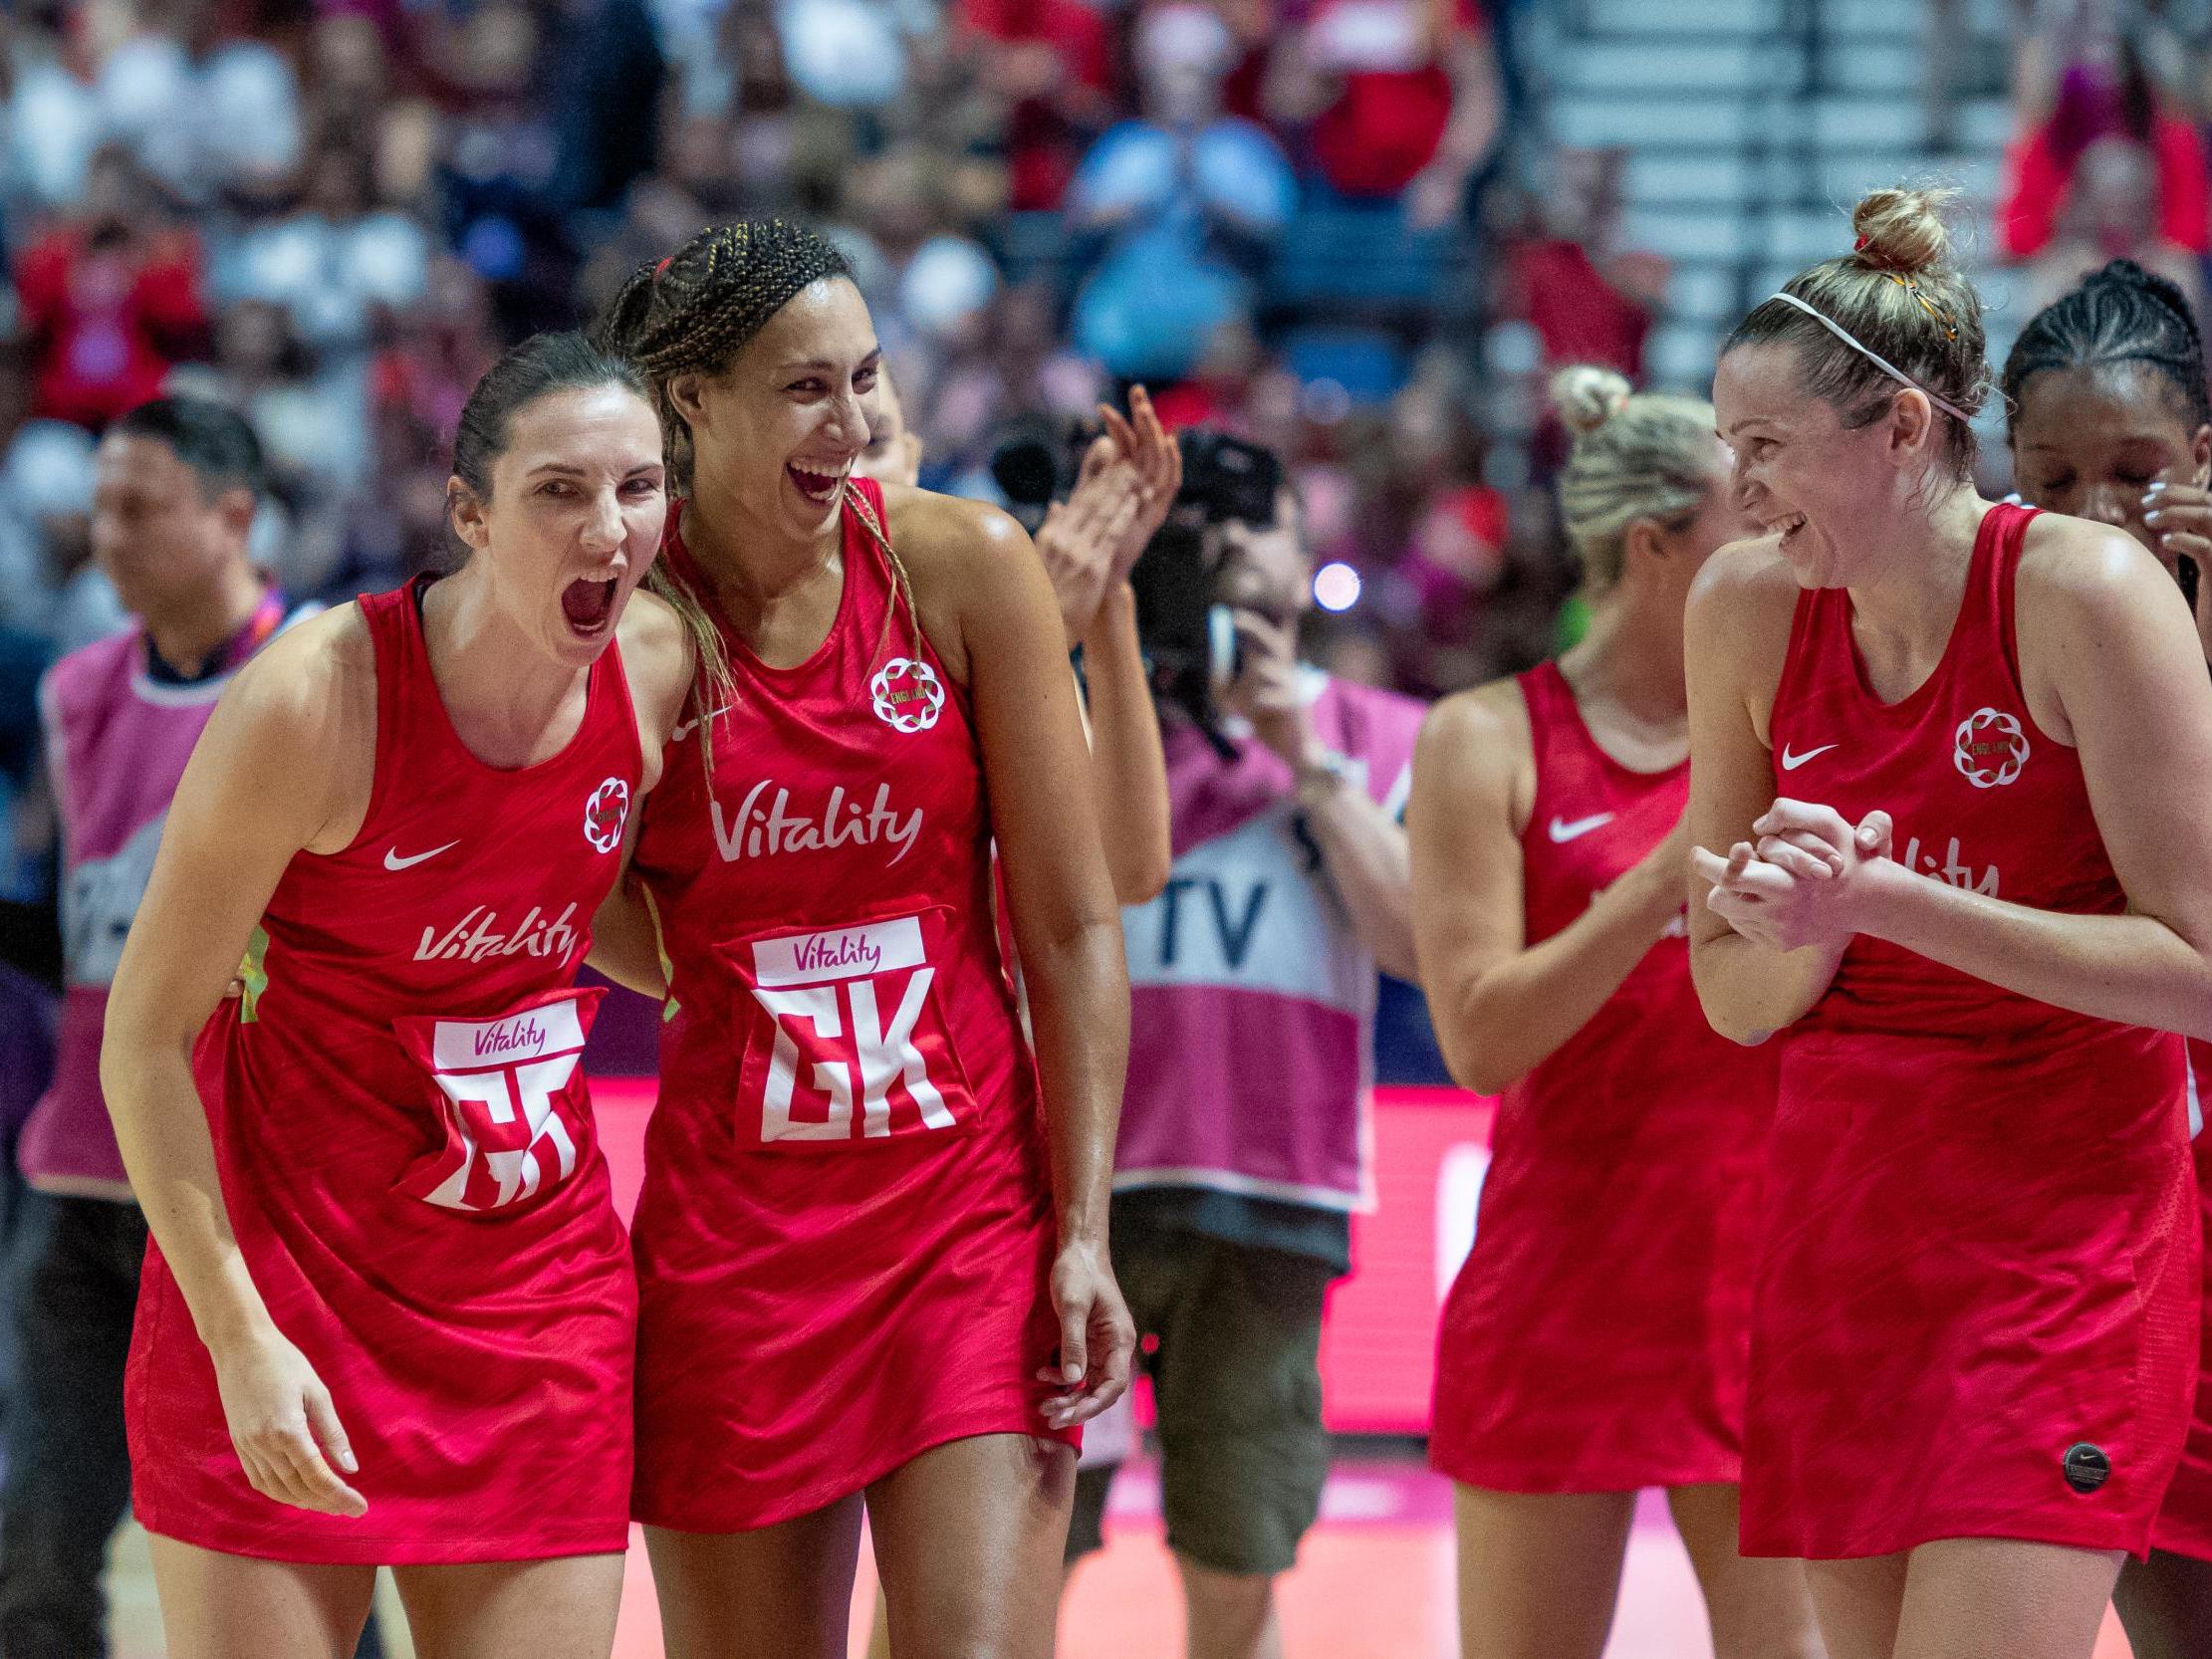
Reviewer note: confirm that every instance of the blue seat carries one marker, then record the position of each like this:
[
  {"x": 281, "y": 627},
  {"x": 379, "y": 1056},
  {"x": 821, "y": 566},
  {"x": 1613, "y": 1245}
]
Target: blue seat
[
  {"x": 1368, "y": 362},
  {"x": 1357, "y": 253}
]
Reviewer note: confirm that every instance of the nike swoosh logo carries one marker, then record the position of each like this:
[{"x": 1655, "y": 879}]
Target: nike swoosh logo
[
  {"x": 1562, "y": 831},
  {"x": 394, "y": 862},
  {"x": 1790, "y": 761},
  {"x": 689, "y": 726}
]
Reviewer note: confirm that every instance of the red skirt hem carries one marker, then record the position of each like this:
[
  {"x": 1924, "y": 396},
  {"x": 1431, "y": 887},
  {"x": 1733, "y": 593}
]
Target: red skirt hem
[
  {"x": 263, "y": 1544},
  {"x": 1551, "y": 1481},
  {"x": 2108, "y": 1531},
  {"x": 789, "y": 1506}
]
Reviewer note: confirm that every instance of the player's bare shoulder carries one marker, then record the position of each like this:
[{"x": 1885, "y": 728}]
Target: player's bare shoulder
[
  {"x": 1490, "y": 720},
  {"x": 1476, "y": 745},
  {"x": 2077, "y": 561},
  {"x": 1743, "y": 597},
  {"x": 302, "y": 718},
  {"x": 959, "y": 555},
  {"x": 947, "y": 538},
  {"x": 659, "y": 656}
]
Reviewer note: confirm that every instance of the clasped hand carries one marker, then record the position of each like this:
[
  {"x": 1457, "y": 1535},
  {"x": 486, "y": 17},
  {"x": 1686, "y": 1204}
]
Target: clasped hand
[{"x": 1804, "y": 881}]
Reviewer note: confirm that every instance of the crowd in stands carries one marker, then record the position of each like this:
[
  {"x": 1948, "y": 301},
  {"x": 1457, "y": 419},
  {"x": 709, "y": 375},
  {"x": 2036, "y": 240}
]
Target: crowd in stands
[{"x": 1293, "y": 218}]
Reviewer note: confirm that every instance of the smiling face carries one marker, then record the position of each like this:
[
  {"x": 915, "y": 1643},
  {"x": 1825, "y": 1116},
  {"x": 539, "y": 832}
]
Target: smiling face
[
  {"x": 572, "y": 518},
  {"x": 779, "y": 431},
  {"x": 2088, "y": 443},
  {"x": 1800, "y": 472}
]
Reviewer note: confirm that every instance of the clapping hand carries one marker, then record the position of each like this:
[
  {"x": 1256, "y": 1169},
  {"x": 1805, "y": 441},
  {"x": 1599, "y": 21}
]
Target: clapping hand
[
  {"x": 1802, "y": 881},
  {"x": 1091, "y": 540}
]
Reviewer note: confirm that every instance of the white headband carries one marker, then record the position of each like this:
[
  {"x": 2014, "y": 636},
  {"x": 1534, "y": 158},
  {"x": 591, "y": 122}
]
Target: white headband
[{"x": 1883, "y": 363}]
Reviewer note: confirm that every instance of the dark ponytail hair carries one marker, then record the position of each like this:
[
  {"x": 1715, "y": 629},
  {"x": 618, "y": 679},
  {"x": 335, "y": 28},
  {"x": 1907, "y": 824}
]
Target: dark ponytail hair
[
  {"x": 538, "y": 366},
  {"x": 2122, "y": 315}
]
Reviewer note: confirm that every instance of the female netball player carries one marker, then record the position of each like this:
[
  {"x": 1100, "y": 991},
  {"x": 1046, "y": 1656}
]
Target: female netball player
[
  {"x": 2109, "y": 422},
  {"x": 1549, "y": 861},
  {"x": 863, "y": 1275},
  {"x": 388, "y": 1317},
  {"x": 1974, "y": 1324}
]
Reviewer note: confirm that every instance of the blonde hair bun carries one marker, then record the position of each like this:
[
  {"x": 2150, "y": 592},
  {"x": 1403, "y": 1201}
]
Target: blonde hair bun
[
  {"x": 1904, "y": 231},
  {"x": 1586, "y": 397}
]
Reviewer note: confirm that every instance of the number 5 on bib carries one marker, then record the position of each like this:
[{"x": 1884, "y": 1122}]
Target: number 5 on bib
[{"x": 510, "y": 1099}]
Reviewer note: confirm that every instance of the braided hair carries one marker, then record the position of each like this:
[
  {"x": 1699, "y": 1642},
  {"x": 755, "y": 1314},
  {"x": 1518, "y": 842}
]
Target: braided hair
[
  {"x": 2122, "y": 315},
  {"x": 692, "y": 312}
]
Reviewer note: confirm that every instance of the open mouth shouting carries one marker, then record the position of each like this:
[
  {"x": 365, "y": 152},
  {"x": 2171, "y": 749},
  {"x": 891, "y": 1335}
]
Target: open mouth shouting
[
  {"x": 589, "y": 605},
  {"x": 1791, "y": 524}
]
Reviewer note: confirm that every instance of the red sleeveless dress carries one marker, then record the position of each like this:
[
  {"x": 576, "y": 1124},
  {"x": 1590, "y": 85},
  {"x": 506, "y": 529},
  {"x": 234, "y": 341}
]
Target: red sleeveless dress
[
  {"x": 1977, "y": 1301},
  {"x": 408, "y": 1153},
  {"x": 845, "y": 1227},
  {"x": 1595, "y": 1338},
  {"x": 2185, "y": 1523}
]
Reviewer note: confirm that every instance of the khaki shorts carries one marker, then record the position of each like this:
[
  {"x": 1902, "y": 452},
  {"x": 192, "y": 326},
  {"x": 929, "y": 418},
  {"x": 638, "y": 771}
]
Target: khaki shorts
[{"x": 1235, "y": 1335}]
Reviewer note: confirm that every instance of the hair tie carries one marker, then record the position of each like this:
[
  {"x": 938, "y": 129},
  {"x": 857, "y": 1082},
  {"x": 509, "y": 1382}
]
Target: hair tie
[
  {"x": 660, "y": 269},
  {"x": 1859, "y": 246}
]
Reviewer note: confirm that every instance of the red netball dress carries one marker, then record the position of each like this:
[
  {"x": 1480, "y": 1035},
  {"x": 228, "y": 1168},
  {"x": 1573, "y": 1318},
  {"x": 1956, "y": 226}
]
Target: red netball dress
[
  {"x": 846, "y": 1228},
  {"x": 408, "y": 1153},
  {"x": 2185, "y": 1523},
  {"x": 1595, "y": 1338},
  {"x": 1977, "y": 1301}
]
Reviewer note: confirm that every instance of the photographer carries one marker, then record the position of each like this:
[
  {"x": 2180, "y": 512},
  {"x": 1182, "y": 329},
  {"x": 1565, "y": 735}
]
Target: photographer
[{"x": 1253, "y": 984}]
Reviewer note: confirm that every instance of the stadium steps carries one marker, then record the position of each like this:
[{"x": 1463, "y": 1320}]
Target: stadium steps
[{"x": 1751, "y": 126}]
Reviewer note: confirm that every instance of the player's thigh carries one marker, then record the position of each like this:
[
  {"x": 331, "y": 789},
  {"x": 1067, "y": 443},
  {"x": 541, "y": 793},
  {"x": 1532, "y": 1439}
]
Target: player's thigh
[
  {"x": 1858, "y": 1603},
  {"x": 2001, "y": 1599},
  {"x": 1538, "y": 1572},
  {"x": 775, "y": 1592},
  {"x": 2166, "y": 1604},
  {"x": 1759, "y": 1607},
  {"x": 219, "y": 1606},
  {"x": 969, "y": 1538},
  {"x": 560, "y": 1608}
]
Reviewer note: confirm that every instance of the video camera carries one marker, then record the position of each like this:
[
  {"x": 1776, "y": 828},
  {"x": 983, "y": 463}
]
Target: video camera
[
  {"x": 1190, "y": 639},
  {"x": 1190, "y": 636}
]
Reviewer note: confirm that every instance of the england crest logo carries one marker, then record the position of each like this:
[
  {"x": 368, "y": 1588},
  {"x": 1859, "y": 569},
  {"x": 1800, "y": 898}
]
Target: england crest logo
[
  {"x": 606, "y": 814},
  {"x": 909, "y": 695},
  {"x": 1990, "y": 748}
]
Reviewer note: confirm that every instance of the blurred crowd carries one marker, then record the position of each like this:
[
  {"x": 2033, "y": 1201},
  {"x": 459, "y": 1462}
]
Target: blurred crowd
[
  {"x": 2112, "y": 104},
  {"x": 1285, "y": 216}
]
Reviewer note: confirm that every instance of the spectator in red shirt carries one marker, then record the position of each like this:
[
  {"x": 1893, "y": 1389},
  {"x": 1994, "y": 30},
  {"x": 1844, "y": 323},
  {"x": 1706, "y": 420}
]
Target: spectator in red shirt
[
  {"x": 1052, "y": 64},
  {"x": 110, "y": 302},
  {"x": 1403, "y": 97},
  {"x": 1588, "y": 300},
  {"x": 2110, "y": 212},
  {"x": 2071, "y": 89}
]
